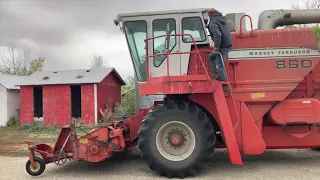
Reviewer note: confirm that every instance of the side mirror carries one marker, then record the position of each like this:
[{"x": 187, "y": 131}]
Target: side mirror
[{"x": 116, "y": 22}]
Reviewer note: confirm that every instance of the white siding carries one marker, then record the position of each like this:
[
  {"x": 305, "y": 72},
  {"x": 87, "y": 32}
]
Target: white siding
[
  {"x": 3, "y": 106},
  {"x": 13, "y": 103}
]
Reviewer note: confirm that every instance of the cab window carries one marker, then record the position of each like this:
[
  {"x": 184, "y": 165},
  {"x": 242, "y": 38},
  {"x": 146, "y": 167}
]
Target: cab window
[
  {"x": 161, "y": 27},
  {"x": 136, "y": 33},
  {"x": 194, "y": 27}
]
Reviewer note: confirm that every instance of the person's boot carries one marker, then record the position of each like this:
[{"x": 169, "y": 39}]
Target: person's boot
[
  {"x": 225, "y": 88},
  {"x": 215, "y": 75}
]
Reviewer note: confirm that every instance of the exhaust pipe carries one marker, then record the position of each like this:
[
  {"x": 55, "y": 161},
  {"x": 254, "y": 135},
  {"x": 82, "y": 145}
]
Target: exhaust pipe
[{"x": 271, "y": 19}]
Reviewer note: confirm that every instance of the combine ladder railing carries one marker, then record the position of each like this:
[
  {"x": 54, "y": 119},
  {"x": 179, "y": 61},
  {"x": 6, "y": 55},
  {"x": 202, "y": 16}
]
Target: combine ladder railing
[{"x": 168, "y": 53}]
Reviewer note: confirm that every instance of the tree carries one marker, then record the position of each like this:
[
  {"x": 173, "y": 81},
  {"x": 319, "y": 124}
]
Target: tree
[
  {"x": 129, "y": 98},
  {"x": 98, "y": 62},
  {"x": 316, "y": 30},
  {"x": 309, "y": 4},
  {"x": 18, "y": 61}
]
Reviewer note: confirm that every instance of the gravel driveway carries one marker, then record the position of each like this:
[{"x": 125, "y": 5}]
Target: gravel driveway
[{"x": 274, "y": 165}]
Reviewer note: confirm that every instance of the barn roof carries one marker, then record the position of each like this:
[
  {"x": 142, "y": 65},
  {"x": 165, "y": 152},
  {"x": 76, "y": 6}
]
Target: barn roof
[
  {"x": 9, "y": 81},
  {"x": 80, "y": 76}
]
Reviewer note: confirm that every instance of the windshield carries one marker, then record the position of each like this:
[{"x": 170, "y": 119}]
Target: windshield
[{"x": 136, "y": 33}]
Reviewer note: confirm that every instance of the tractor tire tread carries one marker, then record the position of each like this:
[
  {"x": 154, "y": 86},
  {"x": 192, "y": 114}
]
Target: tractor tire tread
[{"x": 208, "y": 135}]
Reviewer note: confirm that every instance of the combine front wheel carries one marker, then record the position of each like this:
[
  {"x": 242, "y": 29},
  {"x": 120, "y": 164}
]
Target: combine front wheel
[{"x": 177, "y": 139}]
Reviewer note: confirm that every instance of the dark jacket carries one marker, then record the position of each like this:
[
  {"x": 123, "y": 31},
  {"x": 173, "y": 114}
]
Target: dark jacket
[{"x": 219, "y": 31}]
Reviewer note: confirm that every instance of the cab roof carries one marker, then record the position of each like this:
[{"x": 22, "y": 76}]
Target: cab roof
[{"x": 150, "y": 13}]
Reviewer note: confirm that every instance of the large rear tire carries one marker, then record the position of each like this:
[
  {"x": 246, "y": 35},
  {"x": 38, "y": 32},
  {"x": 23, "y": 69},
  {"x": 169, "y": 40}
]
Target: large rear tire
[{"x": 177, "y": 139}]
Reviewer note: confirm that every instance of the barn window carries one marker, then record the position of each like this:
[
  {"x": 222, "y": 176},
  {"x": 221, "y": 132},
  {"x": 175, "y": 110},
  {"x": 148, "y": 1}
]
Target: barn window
[
  {"x": 37, "y": 99},
  {"x": 76, "y": 101}
]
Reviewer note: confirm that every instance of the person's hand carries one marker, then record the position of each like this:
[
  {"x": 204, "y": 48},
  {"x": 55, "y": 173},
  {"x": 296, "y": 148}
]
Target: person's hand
[{"x": 211, "y": 44}]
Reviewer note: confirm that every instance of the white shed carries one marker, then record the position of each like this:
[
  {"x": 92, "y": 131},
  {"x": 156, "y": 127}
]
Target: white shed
[{"x": 9, "y": 97}]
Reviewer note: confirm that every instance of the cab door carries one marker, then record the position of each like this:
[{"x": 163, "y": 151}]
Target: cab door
[
  {"x": 161, "y": 25},
  {"x": 193, "y": 24}
]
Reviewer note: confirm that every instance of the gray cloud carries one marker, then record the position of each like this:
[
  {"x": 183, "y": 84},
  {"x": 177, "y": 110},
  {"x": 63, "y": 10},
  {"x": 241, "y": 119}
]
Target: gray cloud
[{"x": 68, "y": 32}]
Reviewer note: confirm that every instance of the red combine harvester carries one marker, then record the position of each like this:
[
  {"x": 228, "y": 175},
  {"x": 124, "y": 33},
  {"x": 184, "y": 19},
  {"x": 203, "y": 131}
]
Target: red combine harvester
[{"x": 273, "y": 101}]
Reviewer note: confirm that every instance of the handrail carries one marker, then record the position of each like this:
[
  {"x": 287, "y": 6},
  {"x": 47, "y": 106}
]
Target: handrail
[
  {"x": 250, "y": 24},
  {"x": 171, "y": 53}
]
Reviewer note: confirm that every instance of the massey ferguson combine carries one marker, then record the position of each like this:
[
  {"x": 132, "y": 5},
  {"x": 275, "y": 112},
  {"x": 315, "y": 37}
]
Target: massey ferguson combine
[{"x": 272, "y": 102}]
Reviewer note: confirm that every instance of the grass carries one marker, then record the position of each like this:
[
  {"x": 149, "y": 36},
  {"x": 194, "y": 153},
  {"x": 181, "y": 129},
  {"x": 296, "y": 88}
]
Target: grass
[{"x": 12, "y": 138}]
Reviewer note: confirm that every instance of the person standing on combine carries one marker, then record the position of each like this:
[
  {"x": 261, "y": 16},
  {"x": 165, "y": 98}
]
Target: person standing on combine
[{"x": 222, "y": 40}]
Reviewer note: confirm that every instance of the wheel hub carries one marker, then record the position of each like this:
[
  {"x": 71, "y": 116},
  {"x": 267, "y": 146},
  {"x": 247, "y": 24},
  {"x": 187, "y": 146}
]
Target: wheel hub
[
  {"x": 175, "y": 141},
  {"x": 37, "y": 168},
  {"x": 60, "y": 157},
  {"x": 176, "y": 138}
]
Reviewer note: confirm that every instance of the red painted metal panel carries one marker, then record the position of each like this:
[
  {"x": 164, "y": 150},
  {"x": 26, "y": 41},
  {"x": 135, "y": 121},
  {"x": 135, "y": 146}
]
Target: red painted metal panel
[
  {"x": 296, "y": 111},
  {"x": 87, "y": 103},
  {"x": 256, "y": 75},
  {"x": 275, "y": 38},
  {"x": 278, "y": 137},
  {"x": 178, "y": 85},
  {"x": 26, "y": 105},
  {"x": 253, "y": 144},
  {"x": 56, "y": 105},
  {"x": 248, "y": 76},
  {"x": 258, "y": 110},
  {"x": 108, "y": 92}
]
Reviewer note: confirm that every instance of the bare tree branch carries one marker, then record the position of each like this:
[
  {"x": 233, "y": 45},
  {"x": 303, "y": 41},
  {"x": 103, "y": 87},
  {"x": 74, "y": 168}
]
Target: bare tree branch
[
  {"x": 98, "y": 62},
  {"x": 18, "y": 61},
  {"x": 307, "y": 4}
]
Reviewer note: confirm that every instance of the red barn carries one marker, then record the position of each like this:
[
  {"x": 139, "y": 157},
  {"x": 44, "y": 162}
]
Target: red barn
[{"x": 55, "y": 97}]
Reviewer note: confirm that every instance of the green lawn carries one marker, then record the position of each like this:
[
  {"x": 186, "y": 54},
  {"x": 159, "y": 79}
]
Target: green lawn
[{"x": 12, "y": 139}]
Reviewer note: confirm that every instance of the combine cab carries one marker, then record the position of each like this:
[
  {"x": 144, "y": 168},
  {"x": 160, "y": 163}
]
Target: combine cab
[{"x": 272, "y": 102}]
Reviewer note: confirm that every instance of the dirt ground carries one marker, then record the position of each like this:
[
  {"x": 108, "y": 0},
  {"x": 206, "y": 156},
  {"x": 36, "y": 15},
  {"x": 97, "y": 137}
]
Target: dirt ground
[
  {"x": 12, "y": 141},
  {"x": 273, "y": 164}
]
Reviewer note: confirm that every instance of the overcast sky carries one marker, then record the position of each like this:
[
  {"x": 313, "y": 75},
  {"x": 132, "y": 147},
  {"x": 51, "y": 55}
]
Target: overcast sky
[{"x": 68, "y": 33}]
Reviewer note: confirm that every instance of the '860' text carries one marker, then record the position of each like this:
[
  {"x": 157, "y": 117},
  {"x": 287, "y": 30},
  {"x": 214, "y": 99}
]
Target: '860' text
[{"x": 293, "y": 64}]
